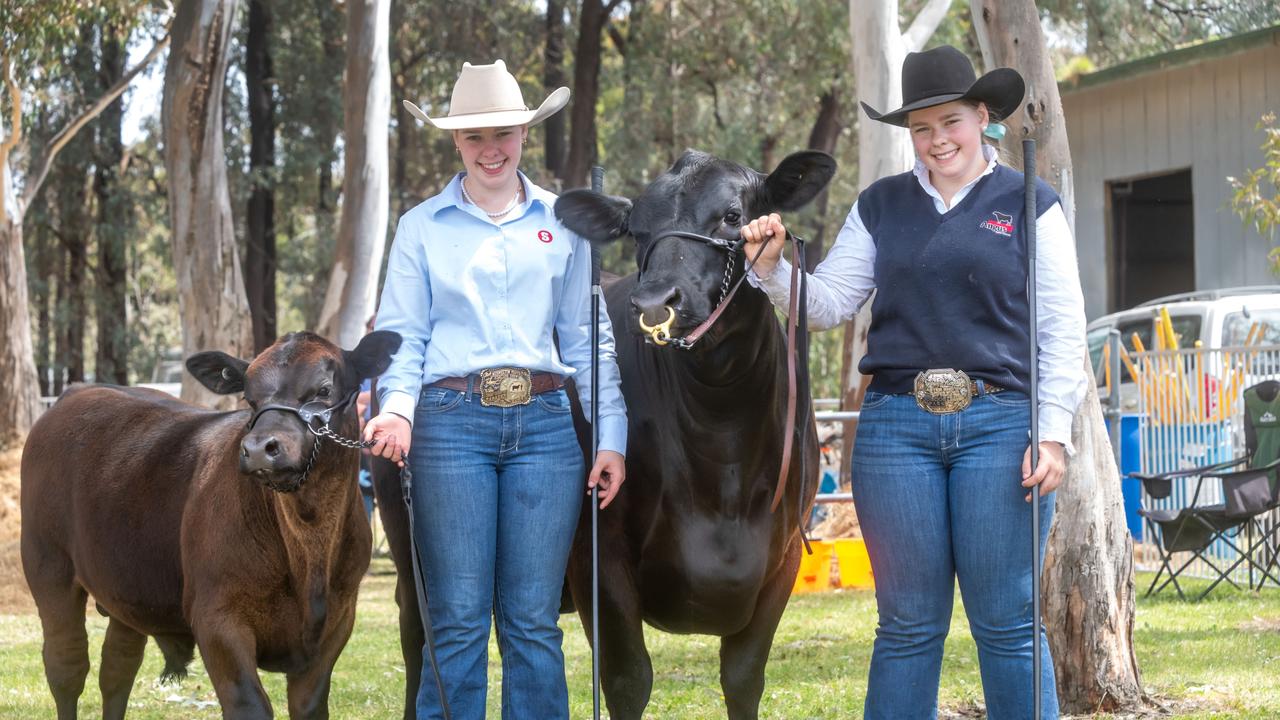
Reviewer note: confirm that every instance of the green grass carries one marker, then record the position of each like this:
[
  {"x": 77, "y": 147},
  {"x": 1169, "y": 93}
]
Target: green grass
[{"x": 1215, "y": 659}]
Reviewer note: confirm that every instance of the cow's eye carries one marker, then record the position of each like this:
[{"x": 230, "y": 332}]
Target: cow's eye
[{"x": 732, "y": 217}]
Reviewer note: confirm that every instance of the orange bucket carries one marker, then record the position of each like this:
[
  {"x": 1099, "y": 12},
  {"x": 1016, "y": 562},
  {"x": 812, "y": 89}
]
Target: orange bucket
[
  {"x": 815, "y": 569},
  {"x": 855, "y": 565}
]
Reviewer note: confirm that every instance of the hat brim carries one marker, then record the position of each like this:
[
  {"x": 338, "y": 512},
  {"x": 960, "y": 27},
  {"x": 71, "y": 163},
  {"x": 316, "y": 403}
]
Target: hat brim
[
  {"x": 504, "y": 118},
  {"x": 1001, "y": 90}
]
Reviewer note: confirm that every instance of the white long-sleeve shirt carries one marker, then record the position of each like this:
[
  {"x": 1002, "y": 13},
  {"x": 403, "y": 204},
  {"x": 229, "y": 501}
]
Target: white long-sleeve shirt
[{"x": 844, "y": 280}]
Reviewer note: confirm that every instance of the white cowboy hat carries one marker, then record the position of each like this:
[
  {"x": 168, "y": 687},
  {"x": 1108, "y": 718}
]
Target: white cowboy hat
[{"x": 489, "y": 96}]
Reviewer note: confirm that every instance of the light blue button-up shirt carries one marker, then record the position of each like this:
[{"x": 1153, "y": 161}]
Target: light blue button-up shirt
[{"x": 466, "y": 293}]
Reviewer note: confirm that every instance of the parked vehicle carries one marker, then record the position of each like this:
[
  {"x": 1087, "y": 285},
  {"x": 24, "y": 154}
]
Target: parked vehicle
[{"x": 1212, "y": 319}]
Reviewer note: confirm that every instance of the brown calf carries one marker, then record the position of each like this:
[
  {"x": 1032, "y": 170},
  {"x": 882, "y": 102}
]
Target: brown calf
[{"x": 239, "y": 532}]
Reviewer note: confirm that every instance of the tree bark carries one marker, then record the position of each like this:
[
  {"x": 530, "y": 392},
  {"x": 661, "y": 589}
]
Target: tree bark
[
  {"x": 552, "y": 78},
  {"x": 1088, "y": 577},
  {"x": 73, "y": 231},
  {"x": 586, "y": 90},
  {"x": 40, "y": 286},
  {"x": 19, "y": 389},
  {"x": 1010, "y": 36},
  {"x": 260, "y": 243},
  {"x": 407, "y": 127},
  {"x": 824, "y": 136},
  {"x": 74, "y": 228},
  {"x": 111, "y": 362},
  {"x": 211, "y": 298},
  {"x": 1088, "y": 574},
  {"x": 362, "y": 230}
]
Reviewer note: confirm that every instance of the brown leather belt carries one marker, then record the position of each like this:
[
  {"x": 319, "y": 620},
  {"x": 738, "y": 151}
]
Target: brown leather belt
[
  {"x": 942, "y": 391},
  {"x": 504, "y": 387}
]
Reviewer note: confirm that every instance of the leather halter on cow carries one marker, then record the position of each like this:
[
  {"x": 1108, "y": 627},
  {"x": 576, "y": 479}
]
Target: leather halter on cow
[{"x": 692, "y": 545}]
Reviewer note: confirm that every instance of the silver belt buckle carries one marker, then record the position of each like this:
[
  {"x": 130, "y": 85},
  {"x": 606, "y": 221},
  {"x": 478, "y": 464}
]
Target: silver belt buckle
[
  {"x": 943, "y": 391},
  {"x": 505, "y": 387}
]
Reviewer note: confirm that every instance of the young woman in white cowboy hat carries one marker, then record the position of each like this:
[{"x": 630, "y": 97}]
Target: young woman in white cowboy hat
[
  {"x": 941, "y": 459},
  {"x": 479, "y": 278}
]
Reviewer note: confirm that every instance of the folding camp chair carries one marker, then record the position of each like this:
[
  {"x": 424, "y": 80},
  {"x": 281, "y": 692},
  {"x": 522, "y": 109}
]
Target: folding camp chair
[{"x": 1248, "y": 495}]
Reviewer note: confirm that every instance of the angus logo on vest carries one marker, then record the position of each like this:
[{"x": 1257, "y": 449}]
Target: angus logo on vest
[{"x": 1002, "y": 224}]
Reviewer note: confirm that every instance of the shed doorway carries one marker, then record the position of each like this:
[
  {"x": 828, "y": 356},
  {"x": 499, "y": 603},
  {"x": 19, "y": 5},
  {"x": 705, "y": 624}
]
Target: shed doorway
[{"x": 1152, "y": 238}]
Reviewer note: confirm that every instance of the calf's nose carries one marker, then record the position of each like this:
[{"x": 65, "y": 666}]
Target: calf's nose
[
  {"x": 259, "y": 453},
  {"x": 652, "y": 303}
]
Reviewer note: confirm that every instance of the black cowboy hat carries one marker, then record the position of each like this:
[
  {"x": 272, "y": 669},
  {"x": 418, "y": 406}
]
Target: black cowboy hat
[{"x": 943, "y": 74}]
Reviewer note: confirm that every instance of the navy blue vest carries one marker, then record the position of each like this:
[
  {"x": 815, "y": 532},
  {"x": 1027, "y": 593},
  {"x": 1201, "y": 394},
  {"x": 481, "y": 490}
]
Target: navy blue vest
[{"x": 951, "y": 290}]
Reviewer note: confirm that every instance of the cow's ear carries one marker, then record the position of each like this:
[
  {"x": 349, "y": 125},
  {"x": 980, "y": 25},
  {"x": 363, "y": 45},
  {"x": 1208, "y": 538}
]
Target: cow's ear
[
  {"x": 797, "y": 180},
  {"x": 218, "y": 371},
  {"x": 594, "y": 216},
  {"x": 373, "y": 355}
]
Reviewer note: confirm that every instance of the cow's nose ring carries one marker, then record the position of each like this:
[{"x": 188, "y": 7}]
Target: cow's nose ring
[{"x": 660, "y": 333}]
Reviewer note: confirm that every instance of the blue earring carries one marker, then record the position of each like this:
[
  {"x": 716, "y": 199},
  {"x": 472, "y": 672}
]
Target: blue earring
[{"x": 995, "y": 131}]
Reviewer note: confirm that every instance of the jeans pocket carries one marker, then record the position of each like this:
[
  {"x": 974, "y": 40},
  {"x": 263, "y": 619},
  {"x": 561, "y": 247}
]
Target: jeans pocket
[
  {"x": 437, "y": 399},
  {"x": 1009, "y": 398},
  {"x": 873, "y": 400},
  {"x": 554, "y": 402}
]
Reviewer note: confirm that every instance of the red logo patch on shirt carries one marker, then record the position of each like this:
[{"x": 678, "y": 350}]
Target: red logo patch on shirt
[
  {"x": 1000, "y": 224},
  {"x": 544, "y": 236}
]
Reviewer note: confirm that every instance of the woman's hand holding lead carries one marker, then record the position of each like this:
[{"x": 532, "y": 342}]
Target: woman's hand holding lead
[{"x": 765, "y": 229}]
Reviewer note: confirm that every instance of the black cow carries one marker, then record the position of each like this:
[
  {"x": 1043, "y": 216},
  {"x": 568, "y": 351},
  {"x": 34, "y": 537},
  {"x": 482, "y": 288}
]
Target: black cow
[{"x": 690, "y": 545}]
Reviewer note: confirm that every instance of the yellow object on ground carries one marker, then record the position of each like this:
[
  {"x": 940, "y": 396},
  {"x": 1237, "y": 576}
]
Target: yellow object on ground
[
  {"x": 815, "y": 569},
  {"x": 855, "y": 565}
]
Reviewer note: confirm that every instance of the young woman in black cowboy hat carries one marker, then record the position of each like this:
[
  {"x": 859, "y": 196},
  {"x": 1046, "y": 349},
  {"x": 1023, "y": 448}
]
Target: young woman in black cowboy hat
[{"x": 941, "y": 460}]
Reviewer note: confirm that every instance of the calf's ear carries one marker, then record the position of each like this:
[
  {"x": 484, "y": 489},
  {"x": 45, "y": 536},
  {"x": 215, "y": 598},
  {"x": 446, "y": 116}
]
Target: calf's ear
[
  {"x": 594, "y": 216},
  {"x": 373, "y": 355},
  {"x": 218, "y": 371},
  {"x": 797, "y": 180}
]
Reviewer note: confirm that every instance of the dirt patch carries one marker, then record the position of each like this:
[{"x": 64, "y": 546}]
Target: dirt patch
[
  {"x": 1262, "y": 625},
  {"x": 1156, "y": 707},
  {"x": 14, "y": 596},
  {"x": 841, "y": 521}
]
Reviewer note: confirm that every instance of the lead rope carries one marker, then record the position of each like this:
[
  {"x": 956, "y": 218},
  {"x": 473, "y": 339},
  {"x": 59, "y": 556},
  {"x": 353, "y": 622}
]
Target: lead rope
[
  {"x": 802, "y": 348},
  {"x": 420, "y": 586}
]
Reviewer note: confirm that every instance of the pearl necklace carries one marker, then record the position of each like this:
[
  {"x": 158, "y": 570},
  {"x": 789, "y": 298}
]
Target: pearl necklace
[{"x": 492, "y": 215}]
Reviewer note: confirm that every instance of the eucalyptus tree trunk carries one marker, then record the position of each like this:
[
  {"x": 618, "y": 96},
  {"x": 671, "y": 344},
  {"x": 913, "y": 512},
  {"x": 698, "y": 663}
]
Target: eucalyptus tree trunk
[
  {"x": 114, "y": 213},
  {"x": 260, "y": 241},
  {"x": 19, "y": 389},
  {"x": 362, "y": 231},
  {"x": 1088, "y": 584},
  {"x": 552, "y": 78},
  {"x": 586, "y": 90},
  {"x": 211, "y": 297},
  {"x": 823, "y": 136}
]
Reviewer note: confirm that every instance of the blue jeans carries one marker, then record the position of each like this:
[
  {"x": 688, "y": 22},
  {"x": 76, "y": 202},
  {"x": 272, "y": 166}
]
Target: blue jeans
[
  {"x": 939, "y": 498},
  {"x": 496, "y": 497}
]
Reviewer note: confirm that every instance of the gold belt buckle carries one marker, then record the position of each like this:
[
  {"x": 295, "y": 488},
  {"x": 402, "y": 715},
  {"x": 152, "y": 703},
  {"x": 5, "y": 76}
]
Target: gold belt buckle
[
  {"x": 943, "y": 391},
  {"x": 505, "y": 387}
]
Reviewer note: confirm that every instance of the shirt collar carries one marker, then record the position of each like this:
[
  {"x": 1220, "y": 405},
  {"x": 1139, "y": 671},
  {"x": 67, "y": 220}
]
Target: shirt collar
[
  {"x": 451, "y": 196},
  {"x": 922, "y": 175}
]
